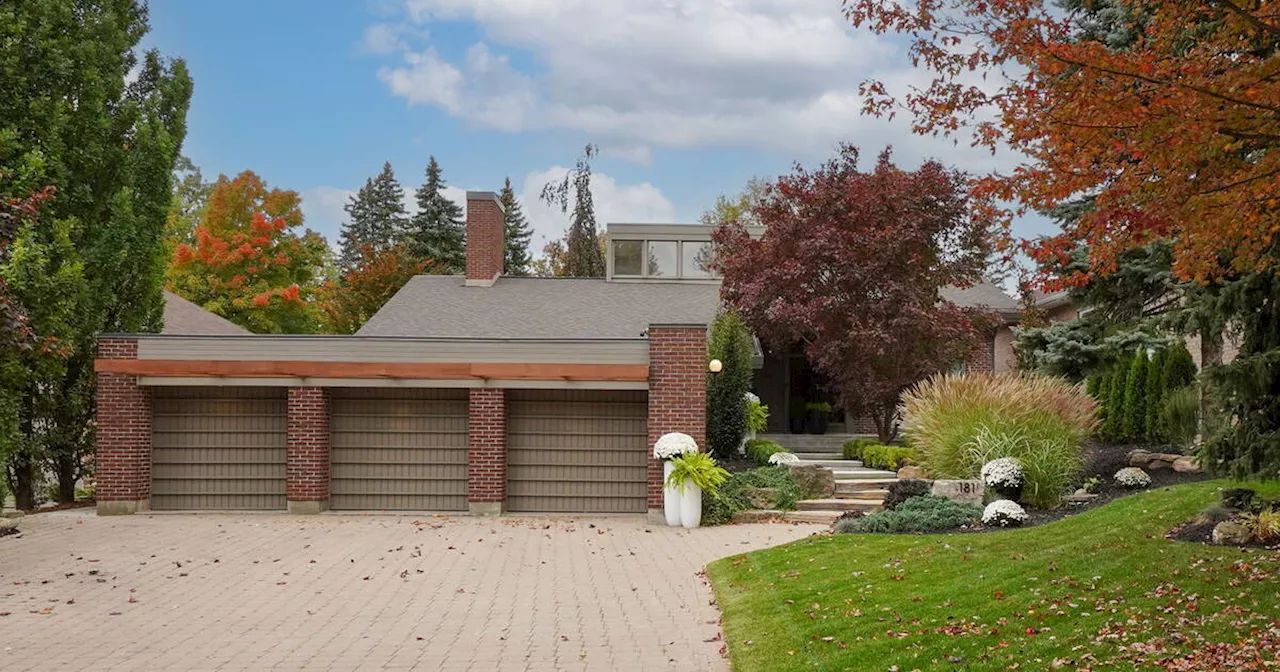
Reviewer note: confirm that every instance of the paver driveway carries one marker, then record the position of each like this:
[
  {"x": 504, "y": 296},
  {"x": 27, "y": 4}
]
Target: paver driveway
[{"x": 343, "y": 592}]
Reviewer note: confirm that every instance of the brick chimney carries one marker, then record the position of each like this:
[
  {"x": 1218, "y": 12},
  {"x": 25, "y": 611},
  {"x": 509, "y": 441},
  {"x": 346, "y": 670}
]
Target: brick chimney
[{"x": 485, "y": 244}]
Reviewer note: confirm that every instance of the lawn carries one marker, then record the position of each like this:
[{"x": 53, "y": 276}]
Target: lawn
[{"x": 1100, "y": 590}]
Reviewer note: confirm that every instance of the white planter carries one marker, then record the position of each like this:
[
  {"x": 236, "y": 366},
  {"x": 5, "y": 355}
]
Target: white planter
[
  {"x": 691, "y": 506},
  {"x": 670, "y": 496}
]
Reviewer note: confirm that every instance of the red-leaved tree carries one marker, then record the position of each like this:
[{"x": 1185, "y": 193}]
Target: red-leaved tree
[
  {"x": 851, "y": 267},
  {"x": 367, "y": 286}
]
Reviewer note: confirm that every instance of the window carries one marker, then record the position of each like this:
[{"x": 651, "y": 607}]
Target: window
[
  {"x": 627, "y": 255},
  {"x": 695, "y": 259},
  {"x": 663, "y": 259}
]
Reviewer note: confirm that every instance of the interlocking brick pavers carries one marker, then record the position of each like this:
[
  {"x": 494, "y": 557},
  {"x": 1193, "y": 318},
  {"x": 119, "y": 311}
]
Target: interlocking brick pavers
[{"x": 351, "y": 592}]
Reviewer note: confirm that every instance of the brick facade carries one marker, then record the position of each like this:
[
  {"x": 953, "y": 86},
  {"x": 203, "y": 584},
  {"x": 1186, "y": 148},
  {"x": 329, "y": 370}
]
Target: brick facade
[
  {"x": 123, "y": 455},
  {"x": 677, "y": 391},
  {"x": 307, "y": 449},
  {"x": 486, "y": 228},
  {"x": 487, "y": 449}
]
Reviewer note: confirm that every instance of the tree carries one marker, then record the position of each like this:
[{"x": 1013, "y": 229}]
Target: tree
[
  {"x": 437, "y": 231},
  {"x": 1154, "y": 397},
  {"x": 89, "y": 114},
  {"x": 738, "y": 208},
  {"x": 851, "y": 267},
  {"x": 730, "y": 342},
  {"x": 1113, "y": 430},
  {"x": 366, "y": 287},
  {"x": 1133, "y": 427},
  {"x": 583, "y": 255},
  {"x": 517, "y": 234},
  {"x": 249, "y": 263},
  {"x": 378, "y": 217},
  {"x": 552, "y": 262}
]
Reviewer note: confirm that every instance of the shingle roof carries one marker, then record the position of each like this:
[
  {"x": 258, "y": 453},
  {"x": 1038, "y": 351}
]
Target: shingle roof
[
  {"x": 187, "y": 319},
  {"x": 441, "y": 306}
]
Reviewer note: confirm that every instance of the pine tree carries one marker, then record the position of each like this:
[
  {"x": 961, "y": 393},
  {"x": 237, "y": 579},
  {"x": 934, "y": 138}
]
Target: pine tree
[
  {"x": 1134, "y": 422},
  {"x": 437, "y": 231},
  {"x": 377, "y": 215},
  {"x": 516, "y": 259},
  {"x": 583, "y": 255},
  {"x": 1154, "y": 398}
]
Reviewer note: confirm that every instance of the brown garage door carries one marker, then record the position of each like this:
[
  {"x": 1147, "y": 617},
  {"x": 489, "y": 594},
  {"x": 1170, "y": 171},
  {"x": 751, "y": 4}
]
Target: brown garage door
[
  {"x": 402, "y": 450},
  {"x": 576, "y": 451},
  {"x": 218, "y": 448}
]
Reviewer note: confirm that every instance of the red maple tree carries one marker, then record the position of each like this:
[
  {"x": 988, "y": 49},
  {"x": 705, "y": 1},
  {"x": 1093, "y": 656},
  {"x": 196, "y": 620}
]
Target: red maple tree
[
  {"x": 367, "y": 286},
  {"x": 850, "y": 268}
]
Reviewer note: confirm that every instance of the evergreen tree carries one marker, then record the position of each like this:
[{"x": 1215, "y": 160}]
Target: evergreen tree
[
  {"x": 437, "y": 232},
  {"x": 730, "y": 342},
  {"x": 1133, "y": 425},
  {"x": 1155, "y": 395},
  {"x": 584, "y": 257},
  {"x": 517, "y": 234},
  {"x": 1179, "y": 368},
  {"x": 1114, "y": 429},
  {"x": 377, "y": 217}
]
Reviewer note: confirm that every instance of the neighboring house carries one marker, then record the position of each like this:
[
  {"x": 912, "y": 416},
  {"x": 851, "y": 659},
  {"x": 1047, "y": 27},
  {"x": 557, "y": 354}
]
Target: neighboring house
[{"x": 472, "y": 393}]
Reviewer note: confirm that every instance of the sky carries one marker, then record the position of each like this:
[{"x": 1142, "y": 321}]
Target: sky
[{"x": 685, "y": 99}]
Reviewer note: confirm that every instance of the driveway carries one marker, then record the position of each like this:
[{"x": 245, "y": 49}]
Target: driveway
[{"x": 350, "y": 592}]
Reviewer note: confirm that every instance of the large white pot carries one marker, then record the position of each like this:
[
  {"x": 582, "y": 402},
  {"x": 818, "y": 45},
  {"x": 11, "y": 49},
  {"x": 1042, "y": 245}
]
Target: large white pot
[
  {"x": 691, "y": 506},
  {"x": 670, "y": 496}
]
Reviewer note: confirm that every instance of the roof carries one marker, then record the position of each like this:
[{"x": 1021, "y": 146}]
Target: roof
[
  {"x": 441, "y": 306},
  {"x": 1051, "y": 300},
  {"x": 187, "y": 319}
]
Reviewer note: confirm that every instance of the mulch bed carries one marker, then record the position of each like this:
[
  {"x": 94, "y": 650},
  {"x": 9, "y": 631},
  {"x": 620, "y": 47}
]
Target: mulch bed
[{"x": 61, "y": 507}]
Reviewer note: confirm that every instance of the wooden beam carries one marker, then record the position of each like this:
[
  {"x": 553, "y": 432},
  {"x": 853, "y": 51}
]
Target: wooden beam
[{"x": 416, "y": 371}]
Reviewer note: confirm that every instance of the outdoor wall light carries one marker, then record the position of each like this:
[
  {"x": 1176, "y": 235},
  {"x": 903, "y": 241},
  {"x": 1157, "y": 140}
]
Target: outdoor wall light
[{"x": 715, "y": 365}]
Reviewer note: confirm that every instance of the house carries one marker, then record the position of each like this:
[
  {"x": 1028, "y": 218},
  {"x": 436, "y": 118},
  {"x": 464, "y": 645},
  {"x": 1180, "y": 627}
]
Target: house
[{"x": 475, "y": 393}]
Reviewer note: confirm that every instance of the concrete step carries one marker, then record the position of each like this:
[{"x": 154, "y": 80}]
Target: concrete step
[
  {"x": 838, "y": 504},
  {"x": 834, "y": 464}
]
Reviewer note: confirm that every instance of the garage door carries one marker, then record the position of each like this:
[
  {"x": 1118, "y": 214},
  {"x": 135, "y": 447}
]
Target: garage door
[
  {"x": 400, "y": 450},
  {"x": 577, "y": 451},
  {"x": 218, "y": 448}
]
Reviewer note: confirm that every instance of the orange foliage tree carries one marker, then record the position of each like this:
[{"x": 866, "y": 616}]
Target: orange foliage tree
[
  {"x": 1169, "y": 120},
  {"x": 249, "y": 262},
  {"x": 370, "y": 283}
]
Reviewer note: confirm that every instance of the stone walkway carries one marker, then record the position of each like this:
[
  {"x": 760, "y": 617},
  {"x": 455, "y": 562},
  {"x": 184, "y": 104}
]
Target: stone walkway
[{"x": 349, "y": 592}]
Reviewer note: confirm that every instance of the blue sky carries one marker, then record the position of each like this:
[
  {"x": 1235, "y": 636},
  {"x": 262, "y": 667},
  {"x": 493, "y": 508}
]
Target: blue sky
[{"x": 686, "y": 100}]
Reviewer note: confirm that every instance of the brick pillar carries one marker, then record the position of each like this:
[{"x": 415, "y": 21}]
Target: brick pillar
[
  {"x": 983, "y": 360},
  {"x": 123, "y": 443},
  {"x": 677, "y": 393},
  {"x": 307, "y": 450},
  {"x": 487, "y": 451}
]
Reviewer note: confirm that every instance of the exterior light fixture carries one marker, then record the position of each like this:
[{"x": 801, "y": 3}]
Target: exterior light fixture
[{"x": 715, "y": 365}]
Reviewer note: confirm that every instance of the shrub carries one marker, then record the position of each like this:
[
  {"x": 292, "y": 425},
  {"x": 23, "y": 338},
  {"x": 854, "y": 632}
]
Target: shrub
[
  {"x": 1134, "y": 423},
  {"x": 698, "y": 469},
  {"x": 757, "y": 414},
  {"x": 1040, "y": 420},
  {"x": 847, "y": 523},
  {"x": 918, "y": 514},
  {"x": 729, "y": 498},
  {"x": 1003, "y": 513},
  {"x": 729, "y": 342},
  {"x": 904, "y": 489},
  {"x": 1264, "y": 524},
  {"x": 1154, "y": 395},
  {"x": 1113, "y": 429},
  {"x": 852, "y": 449},
  {"x": 1240, "y": 499},
  {"x": 760, "y": 450},
  {"x": 1180, "y": 416},
  {"x": 892, "y": 458},
  {"x": 1132, "y": 477}
]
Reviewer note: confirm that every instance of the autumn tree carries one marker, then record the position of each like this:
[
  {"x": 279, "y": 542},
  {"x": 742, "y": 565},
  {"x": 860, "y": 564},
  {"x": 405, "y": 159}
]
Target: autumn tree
[
  {"x": 365, "y": 287},
  {"x": 583, "y": 255},
  {"x": 377, "y": 217},
  {"x": 437, "y": 232},
  {"x": 517, "y": 233},
  {"x": 851, "y": 267},
  {"x": 739, "y": 207},
  {"x": 252, "y": 262}
]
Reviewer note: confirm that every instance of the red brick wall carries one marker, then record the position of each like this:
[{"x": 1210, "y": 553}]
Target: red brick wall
[
  {"x": 485, "y": 229},
  {"x": 487, "y": 445},
  {"x": 123, "y": 459},
  {"x": 677, "y": 392},
  {"x": 307, "y": 451},
  {"x": 984, "y": 360}
]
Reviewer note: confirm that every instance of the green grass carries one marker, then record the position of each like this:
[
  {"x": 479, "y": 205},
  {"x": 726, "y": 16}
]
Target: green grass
[{"x": 1076, "y": 590}]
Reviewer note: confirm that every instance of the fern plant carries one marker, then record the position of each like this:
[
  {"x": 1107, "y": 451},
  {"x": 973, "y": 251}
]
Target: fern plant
[{"x": 700, "y": 469}]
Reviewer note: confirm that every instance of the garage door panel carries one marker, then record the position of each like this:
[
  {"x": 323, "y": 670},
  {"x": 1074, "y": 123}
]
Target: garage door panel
[
  {"x": 398, "y": 449},
  {"x": 577, "y": 451},
  {"x": 218, "y": 448}
]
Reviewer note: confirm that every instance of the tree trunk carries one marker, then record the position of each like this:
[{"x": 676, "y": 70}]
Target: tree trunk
[
  {"x": 65, "y": 467},
  {"x": 886, "y": 422},
  {"x": 1210, "y": 356},
  {"x": 23, "y": 481}
]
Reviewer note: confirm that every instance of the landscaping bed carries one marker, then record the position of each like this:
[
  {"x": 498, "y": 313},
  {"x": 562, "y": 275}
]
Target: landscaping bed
[{"x": 1100, "y": 590}]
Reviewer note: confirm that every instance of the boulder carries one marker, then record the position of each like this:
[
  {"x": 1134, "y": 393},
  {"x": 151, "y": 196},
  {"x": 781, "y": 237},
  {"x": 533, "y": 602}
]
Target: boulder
[
  {"x": 967, "y": 491},
  {"x": 1231, "y": 533},
  {"x": 760, "y": 498},
  {"x": 1187, "y": 465},
  {"x": 1080, "y": 497},
  {"x": 1149, "y": 461},
  {"x": 817, "y": 482},
  {"x": 912, "y": 471}
]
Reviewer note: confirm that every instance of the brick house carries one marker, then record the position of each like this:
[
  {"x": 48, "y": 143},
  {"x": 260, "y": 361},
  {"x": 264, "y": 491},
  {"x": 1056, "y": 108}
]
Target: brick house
[{"x": 476, "y": 393}]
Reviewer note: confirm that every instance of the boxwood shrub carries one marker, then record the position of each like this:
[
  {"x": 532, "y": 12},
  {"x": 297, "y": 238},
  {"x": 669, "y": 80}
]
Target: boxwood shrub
[
  {"x": 852, "y": 449},
  {"x": 891, "y": 458},
  {"x": 759, "y": 450}
]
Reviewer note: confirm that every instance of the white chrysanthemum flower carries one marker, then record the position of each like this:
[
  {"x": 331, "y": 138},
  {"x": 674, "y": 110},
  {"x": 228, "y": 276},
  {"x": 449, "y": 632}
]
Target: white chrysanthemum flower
[
  {"x": 1133, "y": 477},
  {"x": 674, "y": 444},
  {"x": 752, "y": 398},
  {"x": 783, "y": 458},
  {"x": 1003, "y": 513},
  {"x": 1004, "y": 472}
]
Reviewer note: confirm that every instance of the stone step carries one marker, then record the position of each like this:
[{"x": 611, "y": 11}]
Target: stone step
[
  {"x": 838, "y": 504},
  {"x": 820, "y": 517},
  {"x": 834, "y": 465},
  {"x": 861, "y": 493},
  {"x": 819, "y": 457},
  {"x": 862, "y": 474},
  {"x": 864, "y": 484}
]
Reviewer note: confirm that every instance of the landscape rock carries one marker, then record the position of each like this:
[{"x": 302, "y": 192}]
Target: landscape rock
[
  {"x": 967, "y": 491},
  {"x": 1149, "y": 461},
  {"x": 912, "y": 471},
  {"x": 817, "y": 482},
  {"x": 1080, "y": 497},
  {"x": 1187, "y": 465},
  {"x": 1231, "y": 533},
  {"x": 760, "y": 498},
  {"x": 756, "y": 516}
]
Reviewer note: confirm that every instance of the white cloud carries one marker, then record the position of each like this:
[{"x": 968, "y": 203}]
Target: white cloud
[{"x": 637, "y": 203}]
